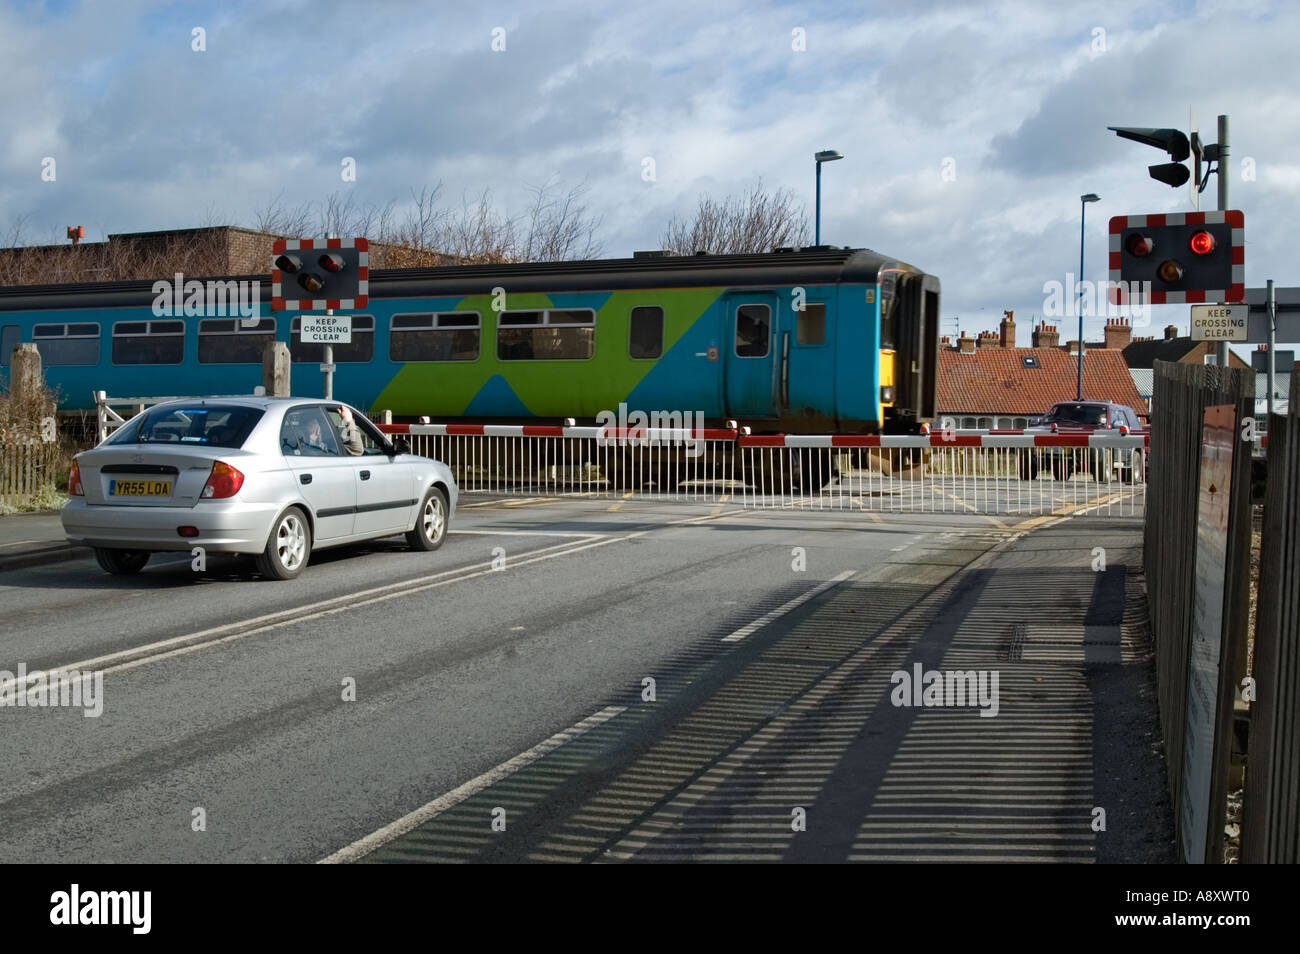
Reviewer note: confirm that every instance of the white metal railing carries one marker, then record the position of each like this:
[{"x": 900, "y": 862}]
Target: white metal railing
[{"x": 1007, "y": 472}]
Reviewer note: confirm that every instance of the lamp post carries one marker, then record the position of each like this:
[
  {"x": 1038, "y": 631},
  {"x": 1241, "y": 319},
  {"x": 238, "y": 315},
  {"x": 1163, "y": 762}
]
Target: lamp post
[
  {"x": 1083, "y": 210},
  {"x": 826, "y": 155}
]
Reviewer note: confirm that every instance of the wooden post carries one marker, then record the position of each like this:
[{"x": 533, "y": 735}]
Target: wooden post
[
  {"x": 276, "y": 368},
  {"x": 25, "y": 379}
]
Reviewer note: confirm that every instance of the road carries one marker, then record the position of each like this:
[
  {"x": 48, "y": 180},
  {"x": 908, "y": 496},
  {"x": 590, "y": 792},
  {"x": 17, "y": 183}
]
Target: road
[{"x": 246, "y": 720}]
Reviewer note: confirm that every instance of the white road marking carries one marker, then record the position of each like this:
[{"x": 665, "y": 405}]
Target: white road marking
[
  {"x": 530, "y": 533},
  {"x": 751, "y": 628},
  {"x": 182, "y": 645},
  {"x": 433, "y": 809}
]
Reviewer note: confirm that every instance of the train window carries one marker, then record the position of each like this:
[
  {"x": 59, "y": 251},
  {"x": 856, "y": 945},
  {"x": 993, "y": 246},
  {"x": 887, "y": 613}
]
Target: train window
[
  {"x": 148, "y": 342},
  {"x": 753, "y": 324},
  {"x": 65, "y": 344},
  {"x": 888, "y": 307},
  {"x": 361, "y": 348},
  {"x": 447, "y": 336},
  {"x": 10, "y": 335},
  {"x": 582, "y": 316},
  {"x": 646, "y": 333},
  {"x": 231, "y": 341},
  {"x": 565, "y": 334},
  {"x": 810, "y": 325}
]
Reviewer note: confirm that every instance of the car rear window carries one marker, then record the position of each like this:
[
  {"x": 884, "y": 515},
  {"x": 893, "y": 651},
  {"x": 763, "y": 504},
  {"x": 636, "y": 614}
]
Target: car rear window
[
  {"x": 1090, "y": 415},
  {"x": 208, "y": 425}
]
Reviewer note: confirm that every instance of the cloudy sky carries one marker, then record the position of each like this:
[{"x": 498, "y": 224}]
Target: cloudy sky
[{"x": 969, "y": 129}]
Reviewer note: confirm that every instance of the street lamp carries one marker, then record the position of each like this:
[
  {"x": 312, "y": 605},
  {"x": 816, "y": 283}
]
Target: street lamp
[
  {"x": 1083, "y": 210},
  {"x": 826, "y": 155}
]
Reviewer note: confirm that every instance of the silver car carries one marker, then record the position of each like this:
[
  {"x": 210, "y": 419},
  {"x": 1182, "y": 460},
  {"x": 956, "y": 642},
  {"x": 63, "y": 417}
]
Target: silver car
[{"x": 274, "y": 477}]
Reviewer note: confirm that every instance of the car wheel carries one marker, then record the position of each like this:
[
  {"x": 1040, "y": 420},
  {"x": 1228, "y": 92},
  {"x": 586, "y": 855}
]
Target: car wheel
[
  {"x": 288, "y": 548},
  {"x": 431, "y": 522},
  {"x": 122, "y": 562}
]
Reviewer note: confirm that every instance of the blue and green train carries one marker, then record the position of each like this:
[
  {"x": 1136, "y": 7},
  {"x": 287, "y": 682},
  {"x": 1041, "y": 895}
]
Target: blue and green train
[{"x": 817, "y": 340}]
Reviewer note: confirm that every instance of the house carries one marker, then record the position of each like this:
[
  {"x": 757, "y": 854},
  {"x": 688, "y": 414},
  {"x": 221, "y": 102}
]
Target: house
[
  {"x": 1144, "y": 352},
  {"x": 988, "y": 382}
]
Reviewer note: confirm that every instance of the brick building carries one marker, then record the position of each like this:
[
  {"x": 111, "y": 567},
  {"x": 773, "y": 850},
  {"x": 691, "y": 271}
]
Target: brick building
[{"x": 218, "y": 250}]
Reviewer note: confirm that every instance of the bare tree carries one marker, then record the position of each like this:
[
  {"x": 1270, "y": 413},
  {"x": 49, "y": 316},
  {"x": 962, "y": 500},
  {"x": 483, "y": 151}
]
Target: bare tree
[
  {"x": 757, "y": 221},
  {"x": 560, "y": 227},
  {"x": 278, "y": 220}
]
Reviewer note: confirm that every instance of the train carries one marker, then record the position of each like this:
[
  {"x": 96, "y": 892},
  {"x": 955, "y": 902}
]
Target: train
[{"x": 797, "y": 341}]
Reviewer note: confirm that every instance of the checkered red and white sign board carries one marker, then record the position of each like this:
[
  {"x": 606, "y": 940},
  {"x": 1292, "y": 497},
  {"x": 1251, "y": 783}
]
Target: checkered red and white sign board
[
  {"x": 280, "y": 303},
  {"x": 1236, "y": 292}
]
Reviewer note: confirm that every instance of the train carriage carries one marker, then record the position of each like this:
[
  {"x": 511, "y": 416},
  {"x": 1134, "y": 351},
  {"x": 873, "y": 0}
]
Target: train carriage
[{"x": 797, "y": 341}]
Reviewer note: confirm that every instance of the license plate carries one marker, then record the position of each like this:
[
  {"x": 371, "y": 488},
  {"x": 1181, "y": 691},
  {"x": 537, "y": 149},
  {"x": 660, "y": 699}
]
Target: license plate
[{"x": 139, "y": 488}]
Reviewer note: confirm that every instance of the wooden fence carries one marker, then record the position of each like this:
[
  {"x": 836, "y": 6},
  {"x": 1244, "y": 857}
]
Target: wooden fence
[
  {"x": 26, "y": 467},
  {"x": 1271, "y": 812},
  {"x": 1182, "y": 392}
]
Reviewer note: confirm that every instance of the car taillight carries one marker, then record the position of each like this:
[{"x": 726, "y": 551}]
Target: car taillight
[
  {"x": 74, "y": 482},
  {"x": 224, "y": 481}
]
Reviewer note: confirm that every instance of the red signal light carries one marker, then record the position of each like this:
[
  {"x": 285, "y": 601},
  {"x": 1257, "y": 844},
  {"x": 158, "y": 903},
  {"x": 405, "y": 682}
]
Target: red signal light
[
  {"x": 331, "y": 262},
  {"x": 1202, "y": 243},
  {"x": 289, "y": 264},
  {"x": 1139, "y": 245}
]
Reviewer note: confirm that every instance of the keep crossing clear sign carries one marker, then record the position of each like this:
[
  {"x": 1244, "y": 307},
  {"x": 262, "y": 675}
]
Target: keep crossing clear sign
[
  {"x": 326, "y": 329},
  {"x": 1219, "y": 322}
]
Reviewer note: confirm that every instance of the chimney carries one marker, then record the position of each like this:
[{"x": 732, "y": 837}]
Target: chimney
[
  {"x": 945, "y": 342},
  {"x": 1171, "y": 332},
  {"x": 1072, "y": 347},
  {"x": 965, "y": 345},
  {"x": 1118, "y": 333},
  {"x": 76, "y": 233},
  {"x": 988, "y": 339},
  {"x": 1007, "y": 330},
  {"x": 1046, "y": 336}
]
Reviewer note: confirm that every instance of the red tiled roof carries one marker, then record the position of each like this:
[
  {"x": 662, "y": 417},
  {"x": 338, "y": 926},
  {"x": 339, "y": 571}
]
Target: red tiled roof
[{"x": 995, "y": 380}]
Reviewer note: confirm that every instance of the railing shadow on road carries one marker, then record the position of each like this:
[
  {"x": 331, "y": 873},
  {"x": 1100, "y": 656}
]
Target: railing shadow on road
[{"x": 797, "y": 726}]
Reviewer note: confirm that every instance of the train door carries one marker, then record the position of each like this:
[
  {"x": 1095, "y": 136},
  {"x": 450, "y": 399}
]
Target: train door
[
  {"x": 914, "y": 323},
  {"x": 750, "y": 363}
]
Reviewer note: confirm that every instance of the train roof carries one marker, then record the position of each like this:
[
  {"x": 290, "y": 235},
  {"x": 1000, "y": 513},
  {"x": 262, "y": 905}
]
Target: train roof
[{"x": 820, "y": 265}]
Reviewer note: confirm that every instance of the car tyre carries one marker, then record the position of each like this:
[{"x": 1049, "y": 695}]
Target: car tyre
[
  {"x": 122, "y": 562},
  {"x": 430, "y": 528},
  {"x": 289, "y": 547}
]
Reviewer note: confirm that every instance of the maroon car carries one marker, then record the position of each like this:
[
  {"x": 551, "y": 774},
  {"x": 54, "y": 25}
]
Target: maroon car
[{"x": 1085, "y": 417}]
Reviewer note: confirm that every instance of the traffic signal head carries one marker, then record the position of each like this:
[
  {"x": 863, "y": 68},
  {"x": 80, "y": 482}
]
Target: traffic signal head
[
  {"x": 1171, "y": 141},
  {"x": 1185, "y": 257},
  {"x": 309, "y": 274}
]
